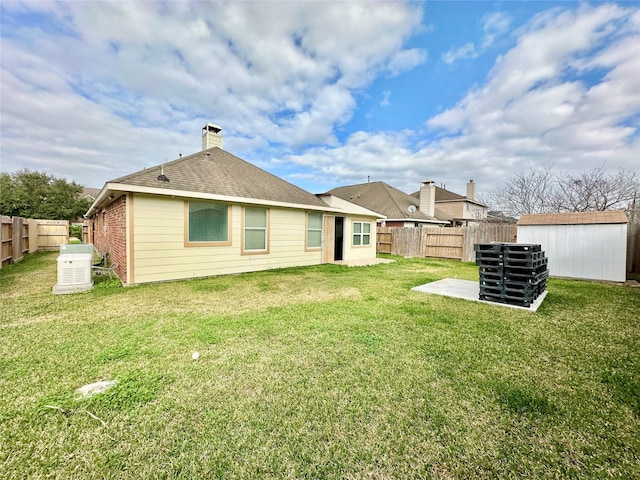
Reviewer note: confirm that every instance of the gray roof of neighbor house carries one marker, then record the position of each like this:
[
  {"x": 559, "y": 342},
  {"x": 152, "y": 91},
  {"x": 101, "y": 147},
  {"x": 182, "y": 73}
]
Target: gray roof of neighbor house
[
  {"x": 215, "y": 171},
  {"x": 89, "y": 192},
  {"x": 443, "y": 195},
  {"x": 388, "y": 200}
]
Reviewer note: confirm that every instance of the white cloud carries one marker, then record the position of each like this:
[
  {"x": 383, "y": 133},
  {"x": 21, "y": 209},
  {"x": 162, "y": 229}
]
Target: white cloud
[
  {"x": 464, "y": 52},
  {"x": 104, "y": 89},
  {"x": 386, "y": 95},
  {"x": 282, "y": 73},
  {"x": 536, "y": 107},
  {"x": 494, "y": 25},
  {"x": 404, "y": 60}
]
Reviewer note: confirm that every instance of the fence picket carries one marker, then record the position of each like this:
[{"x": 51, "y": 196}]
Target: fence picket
[
  {"x": 439, "y": 242},
  {"x": 21, "y": 236}
]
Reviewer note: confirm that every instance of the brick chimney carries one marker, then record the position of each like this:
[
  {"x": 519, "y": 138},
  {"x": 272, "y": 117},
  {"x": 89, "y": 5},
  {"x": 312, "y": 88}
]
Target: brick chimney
[
  {"x": 211, "y": 136},
  {"x": 428, "y": 197},
  {"x": 471, "y": 190}
]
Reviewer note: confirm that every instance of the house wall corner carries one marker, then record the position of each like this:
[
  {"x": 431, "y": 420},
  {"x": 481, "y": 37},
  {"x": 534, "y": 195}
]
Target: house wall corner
[{"x": 109, "y": 227}]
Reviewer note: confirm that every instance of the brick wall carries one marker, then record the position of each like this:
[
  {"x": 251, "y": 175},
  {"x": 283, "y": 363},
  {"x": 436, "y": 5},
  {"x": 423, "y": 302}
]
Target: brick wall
[{"x": 110, "y": 234}]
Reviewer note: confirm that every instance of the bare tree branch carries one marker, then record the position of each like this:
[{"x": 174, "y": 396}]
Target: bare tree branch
[{"x": 540, "y": 191}]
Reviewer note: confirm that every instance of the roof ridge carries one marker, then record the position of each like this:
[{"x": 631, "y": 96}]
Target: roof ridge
[
  {"x": 161, "y": 165},
  {"x": 267, "y": 172},
  {"x": 215, "y": 170}
]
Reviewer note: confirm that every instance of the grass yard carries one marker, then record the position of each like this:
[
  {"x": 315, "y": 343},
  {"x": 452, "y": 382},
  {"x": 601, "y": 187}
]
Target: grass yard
[{"x": 319, "y": 372}]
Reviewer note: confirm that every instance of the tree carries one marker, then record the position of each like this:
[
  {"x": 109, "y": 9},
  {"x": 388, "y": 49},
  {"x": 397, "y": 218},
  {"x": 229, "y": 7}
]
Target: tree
[
  {"x": 595, "y": 190},
  {"x": 540, "y": 191},
  {"x": 528, "y": 192},
  {"x": 32, "y": 194}
]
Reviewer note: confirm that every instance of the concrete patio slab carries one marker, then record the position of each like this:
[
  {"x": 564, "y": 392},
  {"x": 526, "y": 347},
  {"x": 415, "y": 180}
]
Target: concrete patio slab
[{"x": 468, "y": 290}]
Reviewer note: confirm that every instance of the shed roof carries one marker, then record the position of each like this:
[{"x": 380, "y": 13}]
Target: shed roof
[{"x": 574, "y": 218}]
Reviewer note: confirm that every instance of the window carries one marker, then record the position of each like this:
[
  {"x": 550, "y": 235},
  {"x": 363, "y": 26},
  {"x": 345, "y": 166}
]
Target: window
[
  {"x": 361, "y": 234},
  {"x": 206, "y": 224},
  {"x": 314, "y": 230},
  {"x": 255, "y": 231}
]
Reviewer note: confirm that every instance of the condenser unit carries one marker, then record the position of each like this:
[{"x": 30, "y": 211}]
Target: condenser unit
[{"x": 74, "y": 273}]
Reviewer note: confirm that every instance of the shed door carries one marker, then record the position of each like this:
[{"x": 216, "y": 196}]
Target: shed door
[{"x": 328, "y": 233}]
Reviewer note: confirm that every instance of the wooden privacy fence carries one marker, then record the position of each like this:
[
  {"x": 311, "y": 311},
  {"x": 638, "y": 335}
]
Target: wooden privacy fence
[
  {"x": 52, "y": 234},
  {"x": 441, "y": 242},
  {"x": 633, "y": 249},
  {"x": 21, "y": 236}
]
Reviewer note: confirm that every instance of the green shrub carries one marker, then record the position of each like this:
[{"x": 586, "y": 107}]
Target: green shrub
[{"x": 75, "y": 231}]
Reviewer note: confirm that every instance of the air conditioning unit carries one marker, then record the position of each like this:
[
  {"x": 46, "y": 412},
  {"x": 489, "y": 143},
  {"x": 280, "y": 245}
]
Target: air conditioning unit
[{"x": 74, "y": 273}]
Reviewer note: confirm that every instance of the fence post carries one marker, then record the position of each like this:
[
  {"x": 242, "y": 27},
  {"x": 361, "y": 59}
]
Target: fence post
[
  {"x": 633, "y": 249},
  {"x": 33, "y": 235},
  {"x": 16, "y": 239},
  {"x": 7, "y": 240}
]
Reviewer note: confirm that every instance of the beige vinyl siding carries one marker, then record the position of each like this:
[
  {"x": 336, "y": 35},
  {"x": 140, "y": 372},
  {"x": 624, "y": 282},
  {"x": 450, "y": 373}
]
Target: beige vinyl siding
[
  {"x": 473, "y": 211},
  {"x": 452, "y": 209},
  {"x": 358, "y": 252},
  {"x": 160, "y": 255}
]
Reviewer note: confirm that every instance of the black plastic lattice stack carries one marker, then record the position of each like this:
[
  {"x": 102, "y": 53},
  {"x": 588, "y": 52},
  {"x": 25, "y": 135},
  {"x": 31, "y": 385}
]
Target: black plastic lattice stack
[{"x": 511, "y": 273}]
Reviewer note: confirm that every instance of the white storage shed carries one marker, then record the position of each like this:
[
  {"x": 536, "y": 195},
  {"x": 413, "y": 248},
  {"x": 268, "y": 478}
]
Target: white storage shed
[{"x": 588, "y": 245}]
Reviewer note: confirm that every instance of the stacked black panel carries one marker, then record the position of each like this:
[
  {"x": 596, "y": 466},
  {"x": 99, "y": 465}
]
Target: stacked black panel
[{"x": 511, "y": 273}]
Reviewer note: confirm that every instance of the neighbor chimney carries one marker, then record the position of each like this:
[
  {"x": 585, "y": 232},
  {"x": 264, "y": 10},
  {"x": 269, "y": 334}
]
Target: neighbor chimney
[
  {"x": 211, "y": 136},
  {"x": 428, "y": 198},
  {"x": 471, "y": 190}
]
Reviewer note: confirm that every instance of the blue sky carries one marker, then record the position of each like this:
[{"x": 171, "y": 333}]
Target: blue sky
[{"x": 323, "y": 94}]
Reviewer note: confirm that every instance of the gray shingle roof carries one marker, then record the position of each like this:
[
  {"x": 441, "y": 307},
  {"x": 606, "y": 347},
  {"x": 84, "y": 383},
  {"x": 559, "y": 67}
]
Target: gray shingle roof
[
  {"x": 216, "y": 171},
  {"x": 90, "y": 192},
  {"x": 385, "y": 199}
]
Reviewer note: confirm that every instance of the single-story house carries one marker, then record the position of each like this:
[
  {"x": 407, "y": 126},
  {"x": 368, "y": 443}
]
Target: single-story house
[
  {"x": 399, "y": 208},
  {"x": 212, "y": 213},
  {"x": 586, "y": 245}
]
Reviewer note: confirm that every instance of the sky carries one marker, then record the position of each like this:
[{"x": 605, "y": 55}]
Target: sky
[{"x": 323, "y": 94}]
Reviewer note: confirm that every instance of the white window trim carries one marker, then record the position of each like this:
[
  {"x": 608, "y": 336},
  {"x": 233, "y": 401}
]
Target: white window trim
[{"x": 361, "y": 234}]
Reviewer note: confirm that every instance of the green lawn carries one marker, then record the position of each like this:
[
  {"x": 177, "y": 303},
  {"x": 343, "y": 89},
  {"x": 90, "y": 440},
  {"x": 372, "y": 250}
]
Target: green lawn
[{"x": 319, "y": 372}]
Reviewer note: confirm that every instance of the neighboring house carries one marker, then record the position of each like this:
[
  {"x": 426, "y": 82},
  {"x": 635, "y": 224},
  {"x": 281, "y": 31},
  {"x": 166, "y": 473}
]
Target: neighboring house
[
  {"x": 589, "y": 245},
  {"x": 399, "y": 208},
  {"x": 212, "y": 213},
  {"x": 459, "y": 208},
  {"x": 89, "y": 194}
]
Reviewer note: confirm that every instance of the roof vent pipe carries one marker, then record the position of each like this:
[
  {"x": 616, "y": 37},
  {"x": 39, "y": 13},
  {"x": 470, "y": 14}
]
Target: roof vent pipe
[{"x": 162, "y": 177}]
